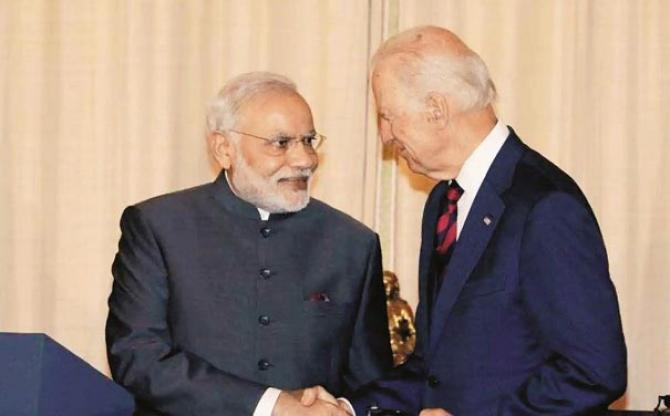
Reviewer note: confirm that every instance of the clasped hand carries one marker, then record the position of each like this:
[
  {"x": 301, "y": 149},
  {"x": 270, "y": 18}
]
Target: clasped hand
[
  {"x": 310, "y": 401},
  {"x": 317, "y": 400}
]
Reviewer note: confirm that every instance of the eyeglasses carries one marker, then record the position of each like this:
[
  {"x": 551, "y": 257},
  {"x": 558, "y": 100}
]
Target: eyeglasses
[{"x": 279, "y": 145}]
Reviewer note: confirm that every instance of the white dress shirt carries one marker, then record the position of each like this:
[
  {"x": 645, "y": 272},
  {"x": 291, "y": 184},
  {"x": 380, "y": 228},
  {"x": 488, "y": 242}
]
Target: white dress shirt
[
  {"x": 267, "y": 402},
  {"x": 474, "y": 170}
]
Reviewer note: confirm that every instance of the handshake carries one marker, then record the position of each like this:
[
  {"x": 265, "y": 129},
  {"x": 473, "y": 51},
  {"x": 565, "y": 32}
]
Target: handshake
[
  {"x": 318, "y": 401},
  {"x": 310, "y": 401}
]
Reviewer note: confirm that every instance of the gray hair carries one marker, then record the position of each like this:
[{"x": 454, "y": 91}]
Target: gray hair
[
  {"x": 462, "y": 76},
  {"x": 222, "y": 110}
]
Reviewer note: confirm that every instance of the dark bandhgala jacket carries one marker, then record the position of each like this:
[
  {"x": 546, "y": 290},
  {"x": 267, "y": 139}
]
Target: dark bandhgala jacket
[
  {"x": 526, "y": 321},
  {"x": 211, "y": 305}
]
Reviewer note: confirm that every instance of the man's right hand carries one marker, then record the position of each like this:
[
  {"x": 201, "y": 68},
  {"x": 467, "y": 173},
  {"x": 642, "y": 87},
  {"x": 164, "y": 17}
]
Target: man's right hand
[
  {"x": 288, "y": 404},
  {"x": 311, "y": 394}
]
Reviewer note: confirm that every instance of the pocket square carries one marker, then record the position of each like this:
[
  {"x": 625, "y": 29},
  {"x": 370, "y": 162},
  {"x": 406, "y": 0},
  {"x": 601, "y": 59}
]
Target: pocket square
[{"x": 319, "y": 297}]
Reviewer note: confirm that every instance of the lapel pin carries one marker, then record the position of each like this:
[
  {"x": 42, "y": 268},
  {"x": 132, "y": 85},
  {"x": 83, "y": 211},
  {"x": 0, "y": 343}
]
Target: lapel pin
[{"x": 488, "y": 220}]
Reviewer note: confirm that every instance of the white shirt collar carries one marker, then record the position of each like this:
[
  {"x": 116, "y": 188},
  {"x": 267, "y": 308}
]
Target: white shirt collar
[
  {"x": 476, "y": 166},
  {"x": 474, "y": 170},
  {"x": 263, "y": 213}
]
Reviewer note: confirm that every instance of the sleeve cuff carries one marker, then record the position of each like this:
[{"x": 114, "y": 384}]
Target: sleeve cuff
[
  {"x": 348, "y": 404},
  {"x": 267, "y": 402}
]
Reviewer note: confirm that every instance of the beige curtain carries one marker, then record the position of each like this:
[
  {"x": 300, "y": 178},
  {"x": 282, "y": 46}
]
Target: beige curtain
[{"x": 102, "y": 105}]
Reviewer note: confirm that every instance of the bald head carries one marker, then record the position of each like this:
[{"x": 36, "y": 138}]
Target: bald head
[
  {"x": 430, "y": 59},
  {"x": 433, "y": 96},
  {"x": 424, "y": 39}
]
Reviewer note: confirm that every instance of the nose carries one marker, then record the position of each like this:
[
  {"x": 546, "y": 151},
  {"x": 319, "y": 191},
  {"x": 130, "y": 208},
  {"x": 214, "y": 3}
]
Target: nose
[{"x": 301, "y": 157}]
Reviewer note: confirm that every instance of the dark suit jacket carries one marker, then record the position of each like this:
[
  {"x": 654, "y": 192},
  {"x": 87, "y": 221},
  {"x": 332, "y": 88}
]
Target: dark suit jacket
[
  {"x": 210, "y": 305},
  {"x": 526, "y": 321}
]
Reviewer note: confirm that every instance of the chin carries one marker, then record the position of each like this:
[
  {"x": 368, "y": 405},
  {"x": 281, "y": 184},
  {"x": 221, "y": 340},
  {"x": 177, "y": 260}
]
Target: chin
[
  {"x": 294, "y": 202},
  {"x": 297, "y": 202}
]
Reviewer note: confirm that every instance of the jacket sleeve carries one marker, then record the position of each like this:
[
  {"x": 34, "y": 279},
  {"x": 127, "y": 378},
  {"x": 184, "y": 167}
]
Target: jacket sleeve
[
  {"x": 393, "y": 388},
  {"x": 572, "y": 303},
  {"x": 400, "y": 389},
  {"x": 370, "y": 351},
  {"x": 142, "y": 355}
]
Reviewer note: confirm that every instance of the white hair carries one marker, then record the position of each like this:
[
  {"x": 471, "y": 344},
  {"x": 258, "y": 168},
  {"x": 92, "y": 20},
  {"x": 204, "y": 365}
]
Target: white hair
[
  {"x": 423, "y": 70},
  {"x": 222, "y": 110}
]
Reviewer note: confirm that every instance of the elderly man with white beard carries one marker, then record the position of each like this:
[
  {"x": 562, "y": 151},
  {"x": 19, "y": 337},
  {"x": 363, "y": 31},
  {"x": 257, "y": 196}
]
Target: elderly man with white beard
[{"x": 230, "y": 297}]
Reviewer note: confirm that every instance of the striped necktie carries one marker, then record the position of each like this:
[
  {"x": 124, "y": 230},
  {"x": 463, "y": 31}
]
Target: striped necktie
[{"x": 445, "y": 232}]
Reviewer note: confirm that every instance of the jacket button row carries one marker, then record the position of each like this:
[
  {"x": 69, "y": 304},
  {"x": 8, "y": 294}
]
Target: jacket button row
[
  {"x": 265, "y": 273},
  {"x": 265, "y": 232},
  {"x": 264, "y": 364}
]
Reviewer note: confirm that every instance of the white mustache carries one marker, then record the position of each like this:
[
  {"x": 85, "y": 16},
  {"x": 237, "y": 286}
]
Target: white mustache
[{"x": 299, "y": 174}]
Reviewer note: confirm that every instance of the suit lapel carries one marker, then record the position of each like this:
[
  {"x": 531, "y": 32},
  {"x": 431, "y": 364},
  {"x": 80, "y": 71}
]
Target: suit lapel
[
  {"x": 430, "y": 214},
  {"x": 483, "y": 218},
  {"x": 474, "y": 238}
]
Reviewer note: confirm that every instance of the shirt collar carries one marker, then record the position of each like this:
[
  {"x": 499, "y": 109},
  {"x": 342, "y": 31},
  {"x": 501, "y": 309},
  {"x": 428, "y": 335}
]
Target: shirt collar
[{"x": 476, "y": 166}]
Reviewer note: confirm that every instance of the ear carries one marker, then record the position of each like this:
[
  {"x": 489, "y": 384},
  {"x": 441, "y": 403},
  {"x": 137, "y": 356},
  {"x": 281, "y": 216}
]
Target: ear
[
  {"x": 221, "y": 149},
  {"x": 438, "y": 109}
]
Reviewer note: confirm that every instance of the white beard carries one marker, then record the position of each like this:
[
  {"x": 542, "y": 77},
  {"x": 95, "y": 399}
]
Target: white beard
[{"x": 266, "y": 193}]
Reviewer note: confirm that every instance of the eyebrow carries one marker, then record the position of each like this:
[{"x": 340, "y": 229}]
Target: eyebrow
[{"x": 281, "y": 133}]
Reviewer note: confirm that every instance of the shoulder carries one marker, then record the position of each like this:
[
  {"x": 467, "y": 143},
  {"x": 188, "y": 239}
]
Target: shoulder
[
  {"x": 547, "y": 194},
  {"x": 180, "y": 198},
  {"x": 172, "y": 205},
  {"x": 537, "y": 180},
  {"x": 338, "y": 221}
]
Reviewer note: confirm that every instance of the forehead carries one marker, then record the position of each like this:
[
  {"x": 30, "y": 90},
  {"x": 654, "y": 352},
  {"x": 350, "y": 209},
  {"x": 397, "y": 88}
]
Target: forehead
[
  {"x": 390, "y": 94},
  {"x": 275, "y": 111}
]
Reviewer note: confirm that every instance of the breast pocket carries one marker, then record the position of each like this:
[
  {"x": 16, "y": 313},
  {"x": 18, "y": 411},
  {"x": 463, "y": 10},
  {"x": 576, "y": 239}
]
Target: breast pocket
[{"x": 327, "y": 321}]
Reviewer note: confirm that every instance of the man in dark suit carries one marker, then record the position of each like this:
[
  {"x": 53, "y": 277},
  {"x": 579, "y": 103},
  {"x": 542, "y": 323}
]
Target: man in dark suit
[
  {"x": 517, "y": 314},
  {"x": 229, "y": 296}
]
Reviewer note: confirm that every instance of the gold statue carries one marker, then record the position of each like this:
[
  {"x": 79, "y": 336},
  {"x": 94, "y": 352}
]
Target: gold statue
[{"x": 401, "y": 320}]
